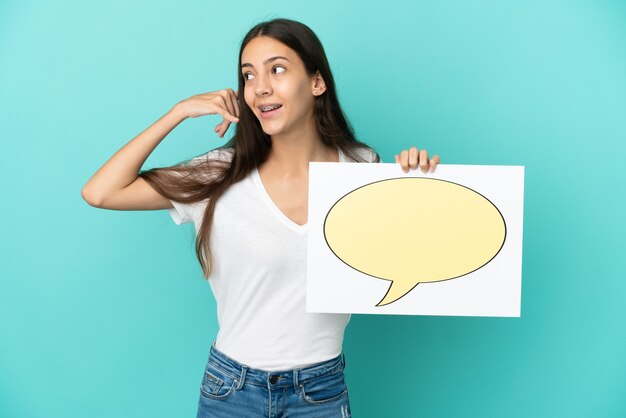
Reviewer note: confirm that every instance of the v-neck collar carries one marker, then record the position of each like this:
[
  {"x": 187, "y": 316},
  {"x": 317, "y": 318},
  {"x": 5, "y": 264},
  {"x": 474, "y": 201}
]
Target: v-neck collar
[{"x": 300, "y": 229}]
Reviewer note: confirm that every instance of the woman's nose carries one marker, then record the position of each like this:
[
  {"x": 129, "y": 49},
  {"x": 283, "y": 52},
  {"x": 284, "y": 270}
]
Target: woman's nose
[{"x": 262, "y": 86}]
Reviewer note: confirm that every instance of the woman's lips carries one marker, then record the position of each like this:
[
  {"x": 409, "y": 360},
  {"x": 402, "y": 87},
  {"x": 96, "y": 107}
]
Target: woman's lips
[{"x": 271, "y": 113}]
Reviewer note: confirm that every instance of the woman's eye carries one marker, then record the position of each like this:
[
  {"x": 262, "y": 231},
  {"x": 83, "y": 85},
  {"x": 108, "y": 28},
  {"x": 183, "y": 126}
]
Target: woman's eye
[{"x": 245, "y": 75}]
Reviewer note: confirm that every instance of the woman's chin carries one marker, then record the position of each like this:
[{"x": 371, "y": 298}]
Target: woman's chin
[{"x": 271, "y": 129}]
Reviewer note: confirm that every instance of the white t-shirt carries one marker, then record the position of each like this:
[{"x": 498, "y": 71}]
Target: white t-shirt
[{"x": 259, "y": 278}]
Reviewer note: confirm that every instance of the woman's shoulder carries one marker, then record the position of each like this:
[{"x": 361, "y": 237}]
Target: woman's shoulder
[
  {"x": 367, "y": 154},
  {"x": 205, "y": 167},
  {"x": 222, "y": 153}
]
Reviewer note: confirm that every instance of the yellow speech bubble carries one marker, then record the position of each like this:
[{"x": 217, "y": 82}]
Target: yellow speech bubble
[{"x": 414, "y": 230}]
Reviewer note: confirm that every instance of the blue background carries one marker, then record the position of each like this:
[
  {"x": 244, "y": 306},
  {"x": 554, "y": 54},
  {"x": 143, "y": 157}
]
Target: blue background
[{"x": 105, "y": 313}]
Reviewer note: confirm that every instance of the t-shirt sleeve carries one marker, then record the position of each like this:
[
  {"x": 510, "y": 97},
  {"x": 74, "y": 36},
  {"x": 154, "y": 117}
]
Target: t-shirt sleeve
[{"x": 182, "y": 213}]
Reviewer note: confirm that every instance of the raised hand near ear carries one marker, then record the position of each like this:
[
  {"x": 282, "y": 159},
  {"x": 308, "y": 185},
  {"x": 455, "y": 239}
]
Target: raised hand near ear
[{"x": 223, "y": 102}]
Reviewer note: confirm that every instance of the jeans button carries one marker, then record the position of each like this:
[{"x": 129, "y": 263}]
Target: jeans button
[{"x": 273, "y": 379}]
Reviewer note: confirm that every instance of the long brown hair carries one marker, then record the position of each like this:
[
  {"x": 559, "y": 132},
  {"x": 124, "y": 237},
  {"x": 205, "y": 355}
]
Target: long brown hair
[{"x": 207, "y": 179}]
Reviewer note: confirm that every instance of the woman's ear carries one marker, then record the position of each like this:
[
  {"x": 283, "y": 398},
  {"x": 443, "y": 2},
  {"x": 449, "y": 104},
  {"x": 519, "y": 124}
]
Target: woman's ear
[{"x": 319, "y": 86}]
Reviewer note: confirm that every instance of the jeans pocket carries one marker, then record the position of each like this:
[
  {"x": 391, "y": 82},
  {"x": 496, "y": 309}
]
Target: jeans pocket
[
  {"x": 325, "y": 388},
  {"x": 216, "y": 384}
]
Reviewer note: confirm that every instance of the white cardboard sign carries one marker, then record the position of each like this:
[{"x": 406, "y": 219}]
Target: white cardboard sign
[{"x": 381, "y": 241}]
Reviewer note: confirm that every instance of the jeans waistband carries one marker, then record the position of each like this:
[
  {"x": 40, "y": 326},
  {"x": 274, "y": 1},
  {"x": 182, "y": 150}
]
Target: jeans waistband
[{"x": 273, "y": 379}]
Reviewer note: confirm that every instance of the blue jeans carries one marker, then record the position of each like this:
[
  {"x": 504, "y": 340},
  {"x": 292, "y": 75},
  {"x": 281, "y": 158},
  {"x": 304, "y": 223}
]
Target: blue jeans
[{"x": 231, "y": 389}]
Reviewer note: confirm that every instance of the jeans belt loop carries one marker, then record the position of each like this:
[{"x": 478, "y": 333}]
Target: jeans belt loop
[
  {"x": 244, "y": 370},
  {"x": 295, "y": 381}
]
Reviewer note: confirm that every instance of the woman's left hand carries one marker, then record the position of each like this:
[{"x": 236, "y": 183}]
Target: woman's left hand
[{"x": 414, "y": 158}]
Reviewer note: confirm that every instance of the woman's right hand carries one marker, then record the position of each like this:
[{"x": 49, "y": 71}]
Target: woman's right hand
[{"x": 223, "y": 102}]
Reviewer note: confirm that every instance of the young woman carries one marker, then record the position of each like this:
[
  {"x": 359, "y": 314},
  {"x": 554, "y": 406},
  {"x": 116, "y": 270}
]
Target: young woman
[{"x": 248, "y": 202}]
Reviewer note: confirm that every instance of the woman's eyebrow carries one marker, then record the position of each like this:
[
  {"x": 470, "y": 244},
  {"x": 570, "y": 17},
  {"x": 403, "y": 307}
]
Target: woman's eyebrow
[{"x": 247, "y": 64}]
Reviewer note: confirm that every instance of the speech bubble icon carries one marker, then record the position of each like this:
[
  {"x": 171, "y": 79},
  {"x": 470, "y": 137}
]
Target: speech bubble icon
[{"x": 414, "y": 230}]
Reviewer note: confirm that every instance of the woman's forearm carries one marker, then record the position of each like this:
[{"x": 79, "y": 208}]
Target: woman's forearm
[{"x": 122, "y": 168}]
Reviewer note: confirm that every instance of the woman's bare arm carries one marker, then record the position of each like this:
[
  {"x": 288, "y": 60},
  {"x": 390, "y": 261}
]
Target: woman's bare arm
[{"x": 116, "y": 184}]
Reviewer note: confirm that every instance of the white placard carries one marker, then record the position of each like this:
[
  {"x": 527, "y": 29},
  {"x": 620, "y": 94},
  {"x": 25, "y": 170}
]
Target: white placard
[{"x": 452, "y": 239}]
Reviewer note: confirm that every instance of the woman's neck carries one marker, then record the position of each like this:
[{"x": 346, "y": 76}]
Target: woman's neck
[{"x": 291, "y": 153}]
